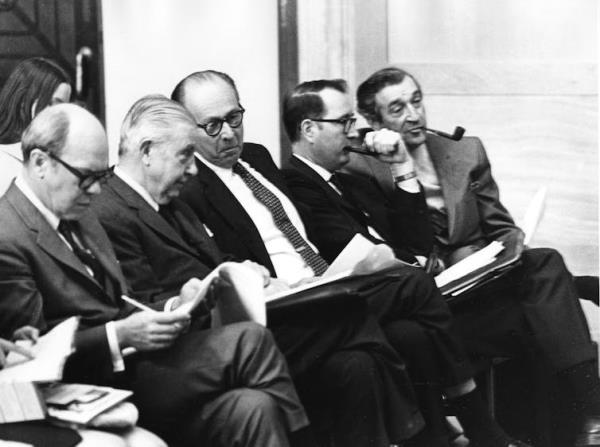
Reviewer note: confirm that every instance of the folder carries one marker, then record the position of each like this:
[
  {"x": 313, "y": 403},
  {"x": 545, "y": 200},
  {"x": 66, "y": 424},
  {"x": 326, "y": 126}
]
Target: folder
[{"x": 499, "y": 264}]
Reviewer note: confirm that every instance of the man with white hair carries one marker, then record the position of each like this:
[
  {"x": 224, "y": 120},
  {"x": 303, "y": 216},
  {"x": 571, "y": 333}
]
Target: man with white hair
[
  {"x": 227, "y": 386},
  {"x": 338, "y": 358}
]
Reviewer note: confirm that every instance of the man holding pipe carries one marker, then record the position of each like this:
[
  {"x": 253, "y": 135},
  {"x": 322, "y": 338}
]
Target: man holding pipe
[{"x": 466, "y": 214}]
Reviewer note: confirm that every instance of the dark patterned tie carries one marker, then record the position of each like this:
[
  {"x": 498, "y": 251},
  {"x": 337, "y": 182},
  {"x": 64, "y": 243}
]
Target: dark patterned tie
[
  {"x": 282, "y": 220},
  {"x": 67, "y": 229}
]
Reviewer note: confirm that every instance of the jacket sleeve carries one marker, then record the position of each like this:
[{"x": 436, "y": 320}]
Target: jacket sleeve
[{"x": 495, "y": 220}]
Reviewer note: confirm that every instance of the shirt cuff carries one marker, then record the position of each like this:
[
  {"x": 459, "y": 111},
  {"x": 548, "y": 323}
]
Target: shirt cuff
[{"x": 115, "y": 350}]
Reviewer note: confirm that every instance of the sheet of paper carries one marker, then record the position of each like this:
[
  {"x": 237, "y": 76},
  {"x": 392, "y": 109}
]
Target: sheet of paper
[
  {"x": 534, "y": 213},
  {"x": 479, "y": 259},
  {"x": 354, "y": 252},
  {"x": 51, "y": 352},
  {"x": 241, "y": 296}
]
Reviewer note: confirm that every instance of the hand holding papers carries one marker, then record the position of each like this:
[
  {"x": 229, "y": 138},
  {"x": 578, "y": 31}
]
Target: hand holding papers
[
  {"x": 19, "y": 398},
  {"x": 50, "y": 354}
]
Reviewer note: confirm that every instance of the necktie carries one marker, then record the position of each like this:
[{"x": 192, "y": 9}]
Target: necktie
[
  {"x": 335, "y": 181},
  {"x": 282, "y": 220},
  {"x": 67, "y": 228},
  {"x": 167, "y": 213}
]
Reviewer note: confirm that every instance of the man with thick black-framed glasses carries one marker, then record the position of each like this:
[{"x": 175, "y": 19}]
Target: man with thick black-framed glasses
[{"x": 56, "y": 261}]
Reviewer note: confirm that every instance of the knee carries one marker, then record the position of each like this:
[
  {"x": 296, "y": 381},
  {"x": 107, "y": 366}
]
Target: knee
[
  {"x": 348, "y": 369},
  {"x": 252, "y": 407},
  {"x": 251, "y": 333},
  {"x": 540, "y": 258}
]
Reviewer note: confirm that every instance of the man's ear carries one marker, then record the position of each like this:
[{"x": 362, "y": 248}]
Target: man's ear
[
  {"x": 307, "y": 129},
  {"x": 145, "y": 149},
  {"x": 38, "y": 162}
]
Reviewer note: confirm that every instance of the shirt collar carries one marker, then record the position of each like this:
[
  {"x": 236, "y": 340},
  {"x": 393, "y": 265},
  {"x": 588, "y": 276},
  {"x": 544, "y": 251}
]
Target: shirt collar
[
  {"x": 315, "y": 167},
  {"x": 224, "y": 174},
  {"x": 136, "y": 187},
  {"x": 50, "y": 217}
]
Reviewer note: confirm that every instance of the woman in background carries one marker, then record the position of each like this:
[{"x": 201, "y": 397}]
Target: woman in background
[{"x": 33, "y": 85}]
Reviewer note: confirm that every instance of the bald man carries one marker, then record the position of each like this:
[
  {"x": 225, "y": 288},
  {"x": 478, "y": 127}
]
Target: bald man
[{"x": 56, "y": 261}]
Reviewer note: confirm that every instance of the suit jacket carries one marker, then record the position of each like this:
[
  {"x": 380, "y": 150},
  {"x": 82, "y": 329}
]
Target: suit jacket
[
  {"x": 42, "y": 282},
  {"x": 400, "y": 218},
  {"x": 475, "y": 214},
  {"x": 233, "y": 229},
  {"x": 148, "y": 247}
]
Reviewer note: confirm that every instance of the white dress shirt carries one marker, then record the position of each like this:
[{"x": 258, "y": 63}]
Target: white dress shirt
[
  {"x": 289, "y": 265},
  {"x": 428, "y": 178},
  {"x": 53, "y": 221}
]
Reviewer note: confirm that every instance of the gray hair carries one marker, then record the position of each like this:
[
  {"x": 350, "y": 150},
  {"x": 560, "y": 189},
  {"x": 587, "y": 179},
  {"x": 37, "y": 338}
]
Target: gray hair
[{"x": 147, "y": 120}]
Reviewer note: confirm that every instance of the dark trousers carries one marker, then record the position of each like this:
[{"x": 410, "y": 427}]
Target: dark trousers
[
  {"x": 220, "y": 387},
  {"x": 353, "y": 383},
  {"x": 418, "y": 324},
  {"x": 533, "y": 310}
]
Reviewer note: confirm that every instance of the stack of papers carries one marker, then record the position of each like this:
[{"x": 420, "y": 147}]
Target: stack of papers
[
  {"x": 489, "y": 263},
  {"x": 471, "y": 263}
]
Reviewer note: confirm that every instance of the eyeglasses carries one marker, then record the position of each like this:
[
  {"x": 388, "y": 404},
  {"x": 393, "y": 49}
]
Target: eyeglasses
[
  {"x": 86, "y": 179},
  {"x": 348, "y": 122},
  {"x": 215, "y": 125}
]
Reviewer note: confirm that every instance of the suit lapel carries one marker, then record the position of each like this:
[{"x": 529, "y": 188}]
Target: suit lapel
[
  {"x": 452, "y": 174},
  {"x": 47, "y": 238},
  {"x": 232, "y": 212},
  {"x": 95, "y": 239},
  {"x": 146, "y": 213},
  {"x": 331, "y": 194}
]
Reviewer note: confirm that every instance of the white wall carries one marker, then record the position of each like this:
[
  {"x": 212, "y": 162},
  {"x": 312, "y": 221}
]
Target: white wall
[{"x": 150, "y": 45}]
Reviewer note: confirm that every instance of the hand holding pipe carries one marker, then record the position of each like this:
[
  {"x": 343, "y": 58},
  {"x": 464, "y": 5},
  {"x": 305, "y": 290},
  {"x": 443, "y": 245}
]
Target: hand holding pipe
[{"x": 456, "y": 136}]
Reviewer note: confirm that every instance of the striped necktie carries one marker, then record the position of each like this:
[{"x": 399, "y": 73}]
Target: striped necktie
[{"x": 282, "y": 220}]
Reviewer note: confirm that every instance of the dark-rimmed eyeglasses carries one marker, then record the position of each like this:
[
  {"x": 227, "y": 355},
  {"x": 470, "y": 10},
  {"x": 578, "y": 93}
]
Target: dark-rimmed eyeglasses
[
  {"x": 86, "y": 179},
  {"x": 233, "y": 119},
  {"x": 347, "y": 122}
]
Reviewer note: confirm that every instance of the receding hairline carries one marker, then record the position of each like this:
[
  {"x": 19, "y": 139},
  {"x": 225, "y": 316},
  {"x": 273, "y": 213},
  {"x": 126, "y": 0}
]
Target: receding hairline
[{"x": 200, "y": 78}]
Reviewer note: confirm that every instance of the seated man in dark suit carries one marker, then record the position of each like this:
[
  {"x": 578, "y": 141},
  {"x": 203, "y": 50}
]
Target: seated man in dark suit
[
  {"x": 229, "y": 195},
  {"x": 226, "y": 386},
  {"x": 340, "y": 360},
  {"x": 532, "y": 310}
]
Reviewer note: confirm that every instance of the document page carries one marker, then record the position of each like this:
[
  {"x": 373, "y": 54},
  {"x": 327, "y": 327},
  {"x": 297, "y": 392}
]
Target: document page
[{"x": 51, "y": 352}]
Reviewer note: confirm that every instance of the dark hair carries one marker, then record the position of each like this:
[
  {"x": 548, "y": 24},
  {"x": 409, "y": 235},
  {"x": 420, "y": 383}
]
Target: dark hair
[
  {"x": 32, "y": 80},
  {"x": 48, "y": 131},
  {"x": 365, "y": 94},
  {"x": 305, "y": 102},
  {"x": 201, "y": 76}
]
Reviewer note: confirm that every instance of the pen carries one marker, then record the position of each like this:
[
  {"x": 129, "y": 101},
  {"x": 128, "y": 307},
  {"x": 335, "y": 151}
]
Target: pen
[{"x": 137, "y": 303}]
